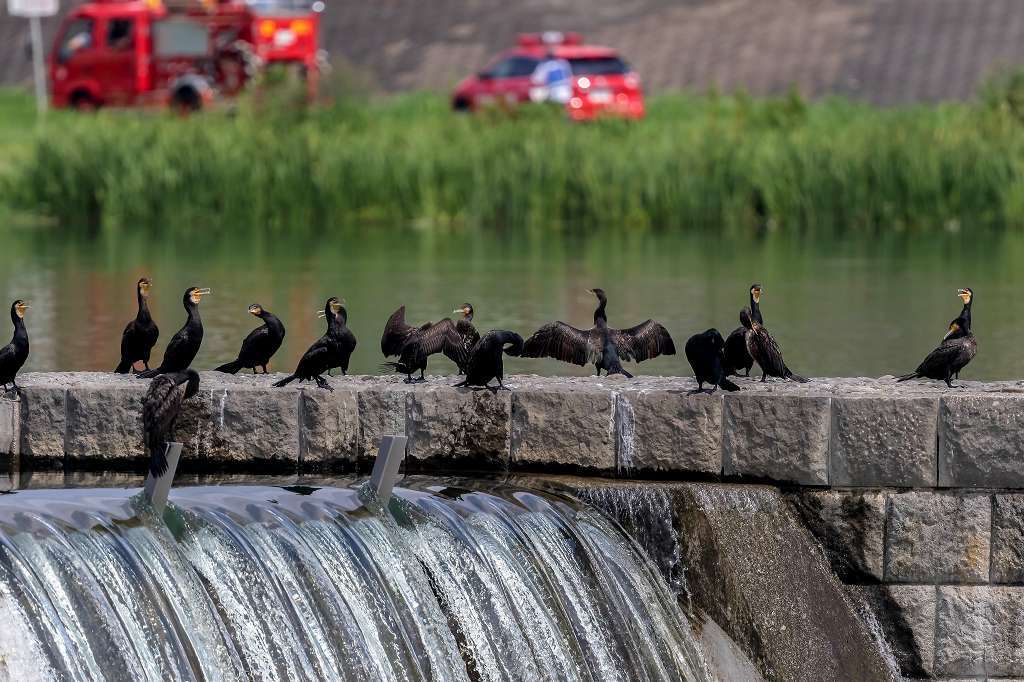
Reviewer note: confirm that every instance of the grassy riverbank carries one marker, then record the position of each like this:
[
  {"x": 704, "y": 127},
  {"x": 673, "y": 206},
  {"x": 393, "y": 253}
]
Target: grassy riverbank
[{"x": 722, "y": 162}]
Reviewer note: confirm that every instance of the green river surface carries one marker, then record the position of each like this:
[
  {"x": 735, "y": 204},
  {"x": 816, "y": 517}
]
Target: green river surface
[{"x": 839, "y": 306}]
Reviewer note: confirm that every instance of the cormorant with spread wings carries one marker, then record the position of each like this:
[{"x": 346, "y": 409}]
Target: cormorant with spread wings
[
  {"x": 601, "y": 345},
  {"x": 413, "y": 345}
]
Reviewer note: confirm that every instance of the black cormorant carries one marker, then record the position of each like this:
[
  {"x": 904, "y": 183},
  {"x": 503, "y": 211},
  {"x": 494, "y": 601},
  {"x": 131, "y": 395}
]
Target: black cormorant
[
  {"x": 957, "y": 349},
  {"x": 967, "y": 296},
  {"x": 344, "y": 339},
  {"x": 765, "y": 351},
  {"x": 737, "y": 356},
  {"x": 14, "y": 354},
  {"x": 485, "y": 362},
  {"x": 184, "y": 345},
  {"x": 140, "y": 335},
  {"x": 464, "y": 325},
  {"x": 706, "y": 354},
  {"x": 160, "y": 408},
  {"x": 413, "y": 345},
  {"x": 260, "y": 345},
  {"x": 325, "y": 353},
  {"x": 601, "y": 345}
]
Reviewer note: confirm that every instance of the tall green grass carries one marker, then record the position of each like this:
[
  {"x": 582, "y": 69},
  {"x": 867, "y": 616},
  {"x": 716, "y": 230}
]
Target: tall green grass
[{"x": 727, "y": 163}]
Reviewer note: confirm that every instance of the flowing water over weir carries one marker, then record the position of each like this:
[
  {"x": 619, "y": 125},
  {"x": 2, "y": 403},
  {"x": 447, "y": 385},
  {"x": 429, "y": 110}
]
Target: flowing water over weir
[{"x": 308, "y": 583}]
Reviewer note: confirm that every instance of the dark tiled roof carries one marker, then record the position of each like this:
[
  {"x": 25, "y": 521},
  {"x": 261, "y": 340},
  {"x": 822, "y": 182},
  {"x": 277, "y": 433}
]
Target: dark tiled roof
[{"x": 885, "y": 51}]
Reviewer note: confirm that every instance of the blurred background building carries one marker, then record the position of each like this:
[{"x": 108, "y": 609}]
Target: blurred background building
[{"x": 883, "y": 51}]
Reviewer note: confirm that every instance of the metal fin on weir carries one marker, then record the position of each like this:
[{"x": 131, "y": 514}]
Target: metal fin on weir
[
  {"x": 157, "y": 488},
  {"x": 390, "y": 454}
]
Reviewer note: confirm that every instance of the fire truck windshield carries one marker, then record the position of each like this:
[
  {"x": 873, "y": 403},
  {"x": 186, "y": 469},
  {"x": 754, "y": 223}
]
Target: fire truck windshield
[
  {"x": 283, "y": 6},
  {"x": 180, "y": 38}
]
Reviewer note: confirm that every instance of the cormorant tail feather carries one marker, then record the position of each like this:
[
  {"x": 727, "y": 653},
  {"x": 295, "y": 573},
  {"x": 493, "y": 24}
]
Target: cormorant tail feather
[
  {"x": 284, "y": 382},
  {"x": 232, "y": 367}
]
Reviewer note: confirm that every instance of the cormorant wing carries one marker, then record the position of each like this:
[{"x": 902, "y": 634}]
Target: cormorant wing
[
  {"x": 944, "y": 356},
  {"x": 644, "y": 341},
  {"x": 561, "y": 341},
  {"x": 443, "y": 337},
  {"x": 396, "y": 333},
  {"x": 769, "y": 355},
  {"x": 160, "y": 409},
  {"x": 7, "y": 354}
]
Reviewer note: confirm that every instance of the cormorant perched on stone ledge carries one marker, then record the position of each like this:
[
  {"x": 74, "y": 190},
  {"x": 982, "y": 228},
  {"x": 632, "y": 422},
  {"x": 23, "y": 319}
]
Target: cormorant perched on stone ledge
[
  {"x": 957, "y": 349},
  {"x": 601, "y": 345},
  {"x": 706, "y": 354},
  {"x": 140, "y": 334},
  {"x": 260, "y": 345},
  {"x": 967, "y": 296},
  {"x": 160, "y": 409},
  {"x": 464, "y": 325},
  {"x": 14, "y": 354},
  {"x": 184, "y": 345},
  {"x": 765, "y": 351},
  {"x": 344, "y": 339},
  {"x": 737, "y": 356},
  {"x": 485, "y": 362},
  {"x": 326, "y": 352},
  {"x": 413, "y": 345}
]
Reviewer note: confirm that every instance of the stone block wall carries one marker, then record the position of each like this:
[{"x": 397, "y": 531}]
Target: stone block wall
[
  {"x": 943, "y": 572},
  {"x": 830, "y": 432}
]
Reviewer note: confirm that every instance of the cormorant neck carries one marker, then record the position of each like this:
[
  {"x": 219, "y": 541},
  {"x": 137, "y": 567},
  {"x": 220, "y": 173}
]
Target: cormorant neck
[
  {"x": 193, "y": 312},
  {"x": 19, "y": 324},
  {"x": 599, "y": 314},
  {"x": 966, "y": 313},
  {"x": 143, "y": 313},
  {"x": 755, "y": 309}
]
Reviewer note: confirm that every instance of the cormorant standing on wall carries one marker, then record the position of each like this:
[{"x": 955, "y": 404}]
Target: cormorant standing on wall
[
  {"x": 160, "y": 409},
  {"x": 957, "y": 349},
  {"x": 737, "y": 356},
  {"x": 184, "y": 345},
  {"x": 413, "y": 345},
  {"x": 464, "y": 325},
  {"x": 323, "y": 354},
  {"x": 601, "y": 345},
  {"x": 765, "y": 351},
  {"x": 967, "y": 296},
  {"x": 260, "y": 345},
  {"x": 706, "y": 354},
  {"x": 140, "y": 334},
  {"x": 485, "y": 362},
  {"x": 344, "y": 339},
  {"x": 14, "y": 354}
]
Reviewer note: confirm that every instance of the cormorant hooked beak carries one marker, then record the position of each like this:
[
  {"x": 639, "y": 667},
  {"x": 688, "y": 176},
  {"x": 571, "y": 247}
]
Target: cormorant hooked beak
[
  {"x": 198, "y": 293},
  {"x": 144, "y": 286},
  {"x": 21, "y": 308},
  {"x": 755, "y": 291},
  {"x": 965, "y": 295},
  {"x": 255, "y": 309}
]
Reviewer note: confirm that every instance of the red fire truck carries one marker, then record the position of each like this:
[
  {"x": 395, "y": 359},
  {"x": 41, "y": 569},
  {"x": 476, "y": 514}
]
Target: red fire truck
[{"x": 145, "y": 52}]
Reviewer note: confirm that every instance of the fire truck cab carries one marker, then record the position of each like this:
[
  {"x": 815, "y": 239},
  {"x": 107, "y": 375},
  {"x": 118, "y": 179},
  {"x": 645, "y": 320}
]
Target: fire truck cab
[{"x": 143, "y": 52}]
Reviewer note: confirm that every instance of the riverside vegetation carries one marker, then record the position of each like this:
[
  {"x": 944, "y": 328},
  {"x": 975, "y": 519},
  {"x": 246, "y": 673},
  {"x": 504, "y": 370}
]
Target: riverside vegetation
[{"x": 731, "y": 163}]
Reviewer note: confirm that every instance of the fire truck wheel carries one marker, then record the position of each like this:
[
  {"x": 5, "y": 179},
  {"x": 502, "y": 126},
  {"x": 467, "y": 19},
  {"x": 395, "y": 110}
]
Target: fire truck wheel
[
  {"x": 83, "y": 101},
  {"x": 186, "y": 99}
]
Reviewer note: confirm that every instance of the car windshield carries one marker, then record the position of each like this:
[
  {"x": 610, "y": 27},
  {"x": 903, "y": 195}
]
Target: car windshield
[{"x": 598, "y": 66}]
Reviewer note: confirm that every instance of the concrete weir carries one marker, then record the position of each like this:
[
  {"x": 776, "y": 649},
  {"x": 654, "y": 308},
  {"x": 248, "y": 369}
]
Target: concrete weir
[
  {"x": 831, "y": 432},
  {"x": 901, "y": 505}
]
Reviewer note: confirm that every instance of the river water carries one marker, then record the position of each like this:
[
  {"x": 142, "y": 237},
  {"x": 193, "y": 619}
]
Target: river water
[{"x": 858, "y": 305}]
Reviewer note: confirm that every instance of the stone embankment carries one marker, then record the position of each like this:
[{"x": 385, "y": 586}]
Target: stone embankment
[{"x": 830, "y": 432}]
